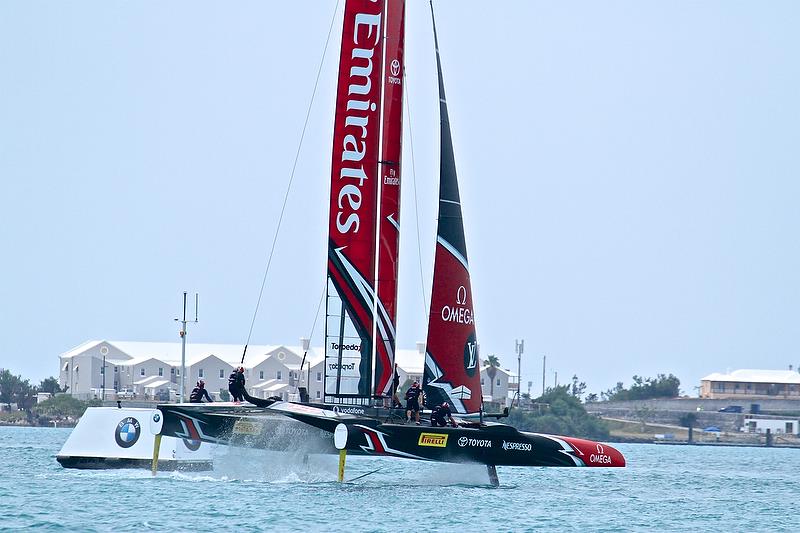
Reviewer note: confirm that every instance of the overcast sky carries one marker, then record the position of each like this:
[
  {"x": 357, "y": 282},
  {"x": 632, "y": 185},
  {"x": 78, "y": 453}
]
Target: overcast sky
[{"x": 629, "y": 173}]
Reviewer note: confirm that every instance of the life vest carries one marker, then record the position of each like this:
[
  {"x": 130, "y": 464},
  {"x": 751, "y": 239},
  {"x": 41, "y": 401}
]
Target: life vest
[{"x": 196, "y": 395}]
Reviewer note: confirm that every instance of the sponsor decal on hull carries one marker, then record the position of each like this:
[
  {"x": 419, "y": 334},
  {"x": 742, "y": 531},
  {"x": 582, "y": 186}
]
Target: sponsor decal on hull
[
  {"x": 436, "y": 440},
  {"x": 474, "y": 443},
  {"x": 127, "y": 432},
  {"x": 600, "y": 456},
  {"x": 348, "y": 410},
  {"x": 246, "y": 427},
  {"x": 518, "y": 446}
]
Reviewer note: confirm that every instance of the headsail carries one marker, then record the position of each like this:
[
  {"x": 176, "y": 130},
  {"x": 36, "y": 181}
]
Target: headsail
[
  {"x": 389, "y": 223},
  {"x": 452, "y": 369},
  {"x": 353, "y": 205}
]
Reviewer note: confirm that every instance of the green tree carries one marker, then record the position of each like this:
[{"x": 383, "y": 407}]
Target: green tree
[
  {"x": 662, "y": 386},
  {"x": 14, "y": 389},
  {"x": 493, "y": 363},
  {"x": 566, "y": 416},
  {"x": 577, "y": 389},
  {"x": 61, "y": 407},
  {"x": 51, "y": 386}
]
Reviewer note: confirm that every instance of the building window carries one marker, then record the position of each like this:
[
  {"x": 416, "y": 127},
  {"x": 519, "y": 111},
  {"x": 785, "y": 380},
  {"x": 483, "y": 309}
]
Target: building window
[
  {"x": 319, "y": 378},
  {"x": 141, "y": 371},
  {"x": 172, "y": 371},
  {"x": 102, "y": 370},
  {"x": 221, "y": 373},
  {"x": 482, "y": 383},
  {"x": 279, "y": 374},
  {"x": 317, "y": 395},
  {"x": 260, "y": 374},
  {"x": 116, "y": 369},
  {"x": 498, "y": 382},
  {"x": 789, "y": 427},
  {"x": 161, "y": 371},
  {"x": 200, "y": 373}
]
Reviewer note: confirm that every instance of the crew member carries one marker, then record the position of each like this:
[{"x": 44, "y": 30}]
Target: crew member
[
  {"x": 199, "y": 392},
  {"x": 441, "y": 415},
  {"x": 241, "y": 383},
  {"x": 412, "y": 402},
  {"x": 236, "y": 384},
  {"x": 395, "y": 386}
]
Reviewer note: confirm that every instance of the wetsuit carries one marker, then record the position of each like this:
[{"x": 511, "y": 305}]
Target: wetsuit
[
  {"x": 395, "y": 386},
  {"x": 234, "y": 387},
  {"x": 197, "y": 395},
  {"x": 412, "y": 399},
  {"x": 240, "y": 381},
  {"x": 441, "y": 415}
]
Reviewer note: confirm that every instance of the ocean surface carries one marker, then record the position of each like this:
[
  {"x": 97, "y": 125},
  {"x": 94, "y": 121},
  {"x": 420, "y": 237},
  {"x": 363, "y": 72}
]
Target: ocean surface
[{"x": 664, "y": 488}]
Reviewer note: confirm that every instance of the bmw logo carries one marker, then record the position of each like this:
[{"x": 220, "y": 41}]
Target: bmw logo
[
  {"x": 156, "y": 418},
  {"x": 127, "y": 432}
]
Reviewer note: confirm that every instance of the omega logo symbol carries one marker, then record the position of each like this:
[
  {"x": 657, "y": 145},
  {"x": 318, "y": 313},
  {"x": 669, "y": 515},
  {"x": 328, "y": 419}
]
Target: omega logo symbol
[
  {"x": 395, "y": 66},
  {"x": 461, "y": 296},
  {"x": 600, "y": 449}
]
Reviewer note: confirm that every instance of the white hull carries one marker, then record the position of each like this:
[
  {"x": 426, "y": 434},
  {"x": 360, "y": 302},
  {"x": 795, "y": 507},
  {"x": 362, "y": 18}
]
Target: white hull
[{"x": 111, "y": 437}]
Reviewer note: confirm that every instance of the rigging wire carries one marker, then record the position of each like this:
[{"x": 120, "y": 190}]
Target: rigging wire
[
  {"x": 311, "y": 336},
  {"x": 291, "y": 179},
  {"x": 416, "y": 203}
]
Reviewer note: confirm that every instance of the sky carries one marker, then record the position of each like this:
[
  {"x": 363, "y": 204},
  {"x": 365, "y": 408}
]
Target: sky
[{"x": 628, "y": 170}]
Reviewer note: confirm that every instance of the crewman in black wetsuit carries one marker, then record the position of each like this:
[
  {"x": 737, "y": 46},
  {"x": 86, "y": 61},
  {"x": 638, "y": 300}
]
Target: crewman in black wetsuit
[
  {"x": 199, "y": 392},
  {"x": 441, "y": 415},
  {"x": 412, "y": 402},
  {"x": 395, "y": 386},
  {"x": 236, "y": 384}
]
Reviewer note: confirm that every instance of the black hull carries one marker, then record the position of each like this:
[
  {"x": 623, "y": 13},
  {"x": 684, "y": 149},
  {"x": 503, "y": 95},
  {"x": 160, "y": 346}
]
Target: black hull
[{"x": 287, "y": 426}]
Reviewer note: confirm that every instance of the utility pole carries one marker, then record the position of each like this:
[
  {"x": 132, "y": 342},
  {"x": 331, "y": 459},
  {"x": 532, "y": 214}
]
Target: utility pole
[
  {"x": 104, "y": 378},
  {"x": 182, "y": 389},
  {"x": 520, "y": 346},
  {"x": 544, "y": 368}
]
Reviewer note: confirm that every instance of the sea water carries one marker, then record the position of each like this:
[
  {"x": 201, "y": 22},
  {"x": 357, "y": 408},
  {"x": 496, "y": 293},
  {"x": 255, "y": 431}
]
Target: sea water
[{"x": 664, "y": 488}]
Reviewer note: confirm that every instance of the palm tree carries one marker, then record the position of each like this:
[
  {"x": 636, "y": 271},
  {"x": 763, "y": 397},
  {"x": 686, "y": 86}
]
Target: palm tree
[{"x": 493, "y": 363}]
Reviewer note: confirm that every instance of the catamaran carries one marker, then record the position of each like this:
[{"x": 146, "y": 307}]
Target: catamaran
[{"x": 361, "y": 297}]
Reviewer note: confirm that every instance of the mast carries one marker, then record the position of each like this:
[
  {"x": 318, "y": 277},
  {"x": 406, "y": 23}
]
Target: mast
[
  {"x": 452, "y": 369},
  {"x": 389, "y": 213},
  {"x": 353, "y": 206}
]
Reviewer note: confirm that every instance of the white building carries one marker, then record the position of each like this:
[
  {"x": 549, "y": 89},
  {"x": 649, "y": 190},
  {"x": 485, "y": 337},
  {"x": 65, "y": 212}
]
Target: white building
[
  {"x": 751, "y": 384},
  {"x": 151, "y": 370},
  {"x": 775, "y": 426},
  {"x": 504, "y": 387}
]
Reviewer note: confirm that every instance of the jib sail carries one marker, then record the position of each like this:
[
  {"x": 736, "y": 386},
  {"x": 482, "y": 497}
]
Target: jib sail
[{"x": 452, "y": 367}]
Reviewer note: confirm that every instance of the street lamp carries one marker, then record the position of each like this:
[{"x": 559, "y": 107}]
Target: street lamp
[{"x": 183, "y": 322}]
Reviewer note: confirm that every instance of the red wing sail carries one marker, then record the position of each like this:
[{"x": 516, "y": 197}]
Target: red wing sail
[
  {"x": 389, "y": 224},
  {"x": 353, "y": 205},
  {"x": 452, "y": 370}
]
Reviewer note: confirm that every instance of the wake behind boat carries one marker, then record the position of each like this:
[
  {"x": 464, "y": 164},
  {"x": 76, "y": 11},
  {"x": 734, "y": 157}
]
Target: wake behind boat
[{"x": 361, "y": 299}]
